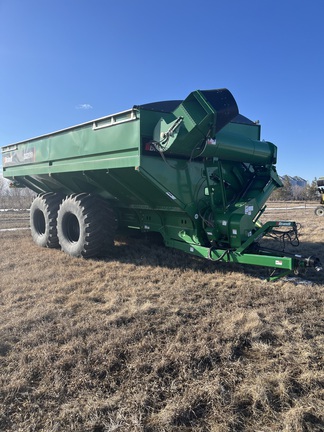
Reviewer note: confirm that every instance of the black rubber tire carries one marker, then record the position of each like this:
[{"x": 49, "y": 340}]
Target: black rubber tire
[
  {"x": 319, "y": 211},
  {"x": 82, "y": 226},
  {"x": 43, "y": 216}
]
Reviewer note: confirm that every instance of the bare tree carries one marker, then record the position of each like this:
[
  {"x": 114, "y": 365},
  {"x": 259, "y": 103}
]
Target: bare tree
[
  {"x": 284, "y": 193},
  {"x": 4, "y": 192},
  {"x": 14, "y": 197}
]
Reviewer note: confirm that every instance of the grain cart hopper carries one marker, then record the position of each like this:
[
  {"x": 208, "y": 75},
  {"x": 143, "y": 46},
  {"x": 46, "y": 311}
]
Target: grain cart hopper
[
  {"x": 319, "y": 211},
  {"x": 194, "y": 171}
]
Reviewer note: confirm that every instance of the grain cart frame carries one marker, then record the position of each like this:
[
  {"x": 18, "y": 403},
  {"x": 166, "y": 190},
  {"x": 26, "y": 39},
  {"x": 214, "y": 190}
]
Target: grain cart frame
[{"x": 194, "y": 171}]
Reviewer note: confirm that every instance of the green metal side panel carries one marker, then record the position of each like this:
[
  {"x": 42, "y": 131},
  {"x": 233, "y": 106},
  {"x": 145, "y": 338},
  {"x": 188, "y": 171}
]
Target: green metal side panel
[
  {"x": 91, "y": 146},
  {"x": 179, "y": 181}
]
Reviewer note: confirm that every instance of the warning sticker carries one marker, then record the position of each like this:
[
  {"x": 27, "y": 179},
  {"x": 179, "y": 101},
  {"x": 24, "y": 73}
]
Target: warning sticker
[{"x": 249, "y": 210}]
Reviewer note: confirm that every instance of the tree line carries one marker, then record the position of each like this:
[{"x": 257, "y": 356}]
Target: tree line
[
  {"x": 291, "y": 192},
  {"x": 18, "y": 198}
]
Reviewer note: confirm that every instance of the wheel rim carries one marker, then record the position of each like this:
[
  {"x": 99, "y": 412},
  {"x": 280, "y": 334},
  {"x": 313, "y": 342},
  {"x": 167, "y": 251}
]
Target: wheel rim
[{"x": 71, "y": 228}]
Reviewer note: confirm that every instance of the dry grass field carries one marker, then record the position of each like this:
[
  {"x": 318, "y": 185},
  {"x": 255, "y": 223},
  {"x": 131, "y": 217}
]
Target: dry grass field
[{"x": 150, "y": 339}]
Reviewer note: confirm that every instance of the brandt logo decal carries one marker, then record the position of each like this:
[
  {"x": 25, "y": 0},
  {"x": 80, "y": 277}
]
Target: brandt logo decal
[
  {"x": 7, "y": 160},
  {"x": 18, "y": 157}
]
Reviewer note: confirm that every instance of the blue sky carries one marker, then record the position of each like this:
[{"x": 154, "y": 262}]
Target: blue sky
[{"x": 64, "y": 62}]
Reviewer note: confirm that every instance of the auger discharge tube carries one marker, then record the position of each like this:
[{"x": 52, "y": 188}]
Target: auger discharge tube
[{"x": 239, "y": 148}]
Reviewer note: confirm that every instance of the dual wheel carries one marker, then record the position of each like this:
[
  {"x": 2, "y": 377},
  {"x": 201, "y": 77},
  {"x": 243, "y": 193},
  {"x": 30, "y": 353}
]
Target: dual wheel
[{"x": 81, "y": 224}]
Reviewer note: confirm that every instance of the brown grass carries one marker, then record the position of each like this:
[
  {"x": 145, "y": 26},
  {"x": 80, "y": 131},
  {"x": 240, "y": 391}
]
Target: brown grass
[{"x": 154, "y": 340}]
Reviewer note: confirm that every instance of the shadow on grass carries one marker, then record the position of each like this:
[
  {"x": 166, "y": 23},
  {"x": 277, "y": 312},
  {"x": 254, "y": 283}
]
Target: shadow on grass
[{"x": 146, "y": 250}]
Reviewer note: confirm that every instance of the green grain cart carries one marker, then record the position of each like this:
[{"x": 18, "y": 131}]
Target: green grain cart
[{"x": 194, "y": 171}]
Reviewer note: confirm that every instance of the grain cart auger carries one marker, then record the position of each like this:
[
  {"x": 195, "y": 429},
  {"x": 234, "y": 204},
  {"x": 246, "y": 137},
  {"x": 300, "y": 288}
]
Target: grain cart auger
[
  {"x": 319, "y": 211},
  {"x": 194, "y": 171}
]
